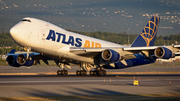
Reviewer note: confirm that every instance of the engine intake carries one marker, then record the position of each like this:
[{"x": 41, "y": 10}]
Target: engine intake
[
  {"x": 163, "y": 53},
  {"x": 21, "y": 59},
  {"x": 11, "y": 60},
  {"x": 18, "y": 60},
  {"x": 110, "y": 55}
]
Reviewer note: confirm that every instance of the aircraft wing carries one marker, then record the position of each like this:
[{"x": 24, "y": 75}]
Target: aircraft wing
[
  {"x": 127, "y": 52},
  {"x": 92, "y": 52}
]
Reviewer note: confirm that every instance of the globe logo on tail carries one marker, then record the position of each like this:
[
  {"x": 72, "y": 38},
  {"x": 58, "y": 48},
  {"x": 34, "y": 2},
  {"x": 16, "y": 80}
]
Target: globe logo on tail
[{"x": 150, "y": 30}]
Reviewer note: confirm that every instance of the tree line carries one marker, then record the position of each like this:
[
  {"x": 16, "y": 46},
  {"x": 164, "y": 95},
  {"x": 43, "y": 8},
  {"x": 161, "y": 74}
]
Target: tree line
[
  {"x": 7, "y": 43},
  {"x": 119, "y": 38}
]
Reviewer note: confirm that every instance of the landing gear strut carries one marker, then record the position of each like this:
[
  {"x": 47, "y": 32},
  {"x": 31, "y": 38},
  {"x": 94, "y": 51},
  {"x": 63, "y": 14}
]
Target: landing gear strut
[
  {"x": 83, "y": 71},
  {"x": 62, "y": 72}
]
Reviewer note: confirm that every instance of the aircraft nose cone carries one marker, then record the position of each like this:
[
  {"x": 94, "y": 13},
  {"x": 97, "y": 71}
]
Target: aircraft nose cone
[{"x": 13, "y": 31}]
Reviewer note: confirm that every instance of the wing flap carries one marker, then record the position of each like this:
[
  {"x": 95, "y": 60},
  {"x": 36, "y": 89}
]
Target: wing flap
[
  {"x": 76, "y": 49},
  {"x": 139, "y": 48},
  {"x": 177, "y": 46},
  {"x": 127, "y": 52}
]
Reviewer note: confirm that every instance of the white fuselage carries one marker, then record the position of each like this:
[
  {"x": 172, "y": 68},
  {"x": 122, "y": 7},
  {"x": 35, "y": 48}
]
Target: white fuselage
[{"x": 50, "y": 39}]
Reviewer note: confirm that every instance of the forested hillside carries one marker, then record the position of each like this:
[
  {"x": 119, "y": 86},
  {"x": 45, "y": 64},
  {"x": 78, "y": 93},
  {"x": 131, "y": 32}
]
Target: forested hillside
[
  {"x": 5, "y": 39},
  {"x": 94, "y": 15},
  {"x": 122, "y": 38}
]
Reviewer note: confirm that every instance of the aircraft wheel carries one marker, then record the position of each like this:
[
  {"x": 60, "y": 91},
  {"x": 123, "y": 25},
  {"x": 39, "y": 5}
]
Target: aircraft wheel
[
  {"x": 77, "y": 72},
  {"x": 104, "y": 72},
  {"x": 82, "y": 72},
  {"x": 100, "y": 73},
  {"x": 85, "y": 73},
  {"x": 58, "y": 72},
  {"x": 65, "y": 72},
  {"x": 94, "y": 73},
  {"x": 62, "y": 73},
  {"x": 91, "y": 73}
]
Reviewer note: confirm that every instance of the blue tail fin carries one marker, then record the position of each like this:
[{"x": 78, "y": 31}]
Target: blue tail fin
[{"x": 148, "y": 34}]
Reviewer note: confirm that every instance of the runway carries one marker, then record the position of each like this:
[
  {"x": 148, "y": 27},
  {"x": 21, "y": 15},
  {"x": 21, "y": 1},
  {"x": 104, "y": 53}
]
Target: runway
[
  {"x": 113, "y": 84},
  {"x": 52, "y": 70},
  {"x": 18, "y": 86}
]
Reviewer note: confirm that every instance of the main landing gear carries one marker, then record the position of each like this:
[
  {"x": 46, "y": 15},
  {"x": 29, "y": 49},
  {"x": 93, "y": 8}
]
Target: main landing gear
[
  {"x": 84, "y": 69},
  {"x": 99, "y": 72},
  {"x": 62, "y": 72},
  {"x": 81, "y": 72}
]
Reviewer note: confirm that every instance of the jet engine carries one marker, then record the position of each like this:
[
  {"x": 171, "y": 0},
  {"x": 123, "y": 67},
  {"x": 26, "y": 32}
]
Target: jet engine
[
  {"x": 110, "y": 55},
  {"x": 18, "y": 60},
  {"x": 163, "y": 53},
  {"x": 11, "y": 59},
  {"x": 21, "y": 59}
]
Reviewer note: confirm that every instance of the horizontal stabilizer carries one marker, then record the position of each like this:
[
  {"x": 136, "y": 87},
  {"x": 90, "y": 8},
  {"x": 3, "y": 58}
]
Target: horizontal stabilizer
[{"x": 12, "y": 51}]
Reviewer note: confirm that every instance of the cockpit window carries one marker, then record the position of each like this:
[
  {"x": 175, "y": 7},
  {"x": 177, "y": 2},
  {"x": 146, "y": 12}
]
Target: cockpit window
[{"x": 26, "y": 20}]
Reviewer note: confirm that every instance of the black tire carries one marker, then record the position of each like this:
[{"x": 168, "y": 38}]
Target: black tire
[
  {"x": 77, "y": 72},
  {"x": 100, "y": 73},
  {"x": 65, "y": 72},
  {"x": 91, "y": 73},
  {"x": 82, "y": 73},
  {"x": 94, "y": 73},
  {"x": 85, "y": 73},
  {"x": 58, "y": 72},
  {"x": 104, "y": 72},
  {"x": 62, "y": 73}
]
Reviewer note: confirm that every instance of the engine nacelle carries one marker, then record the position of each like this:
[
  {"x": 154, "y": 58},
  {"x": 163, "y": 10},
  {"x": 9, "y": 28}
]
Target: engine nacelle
[
  {"x": 11, "y": 59},
  {"x": 163, "y": 53},
  {"x": 21, "y": 59},
  {"x": 110, "y": 55},
  {"x": 18, "y": 60}
]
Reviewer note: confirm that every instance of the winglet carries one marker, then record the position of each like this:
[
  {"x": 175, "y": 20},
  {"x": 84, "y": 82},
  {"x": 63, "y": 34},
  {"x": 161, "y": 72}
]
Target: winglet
[{"x": 148, "y": 34}]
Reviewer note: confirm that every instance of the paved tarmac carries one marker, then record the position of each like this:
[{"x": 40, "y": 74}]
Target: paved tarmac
[
  {"x": 51, "y": 85},
  {"x": 53, "y": 69},
  {"x": 112, "y": 84}
]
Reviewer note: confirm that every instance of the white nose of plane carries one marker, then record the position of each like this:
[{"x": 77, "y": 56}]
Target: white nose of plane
[{"x": 13, "y": 31}]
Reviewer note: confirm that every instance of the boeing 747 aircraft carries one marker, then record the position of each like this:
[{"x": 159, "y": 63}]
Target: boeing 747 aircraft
[{"x": 45, "y": 41}]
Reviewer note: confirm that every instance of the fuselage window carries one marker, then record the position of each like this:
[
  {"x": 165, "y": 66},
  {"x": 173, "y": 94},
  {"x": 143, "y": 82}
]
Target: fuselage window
[{"x": 26, "y": 20}]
